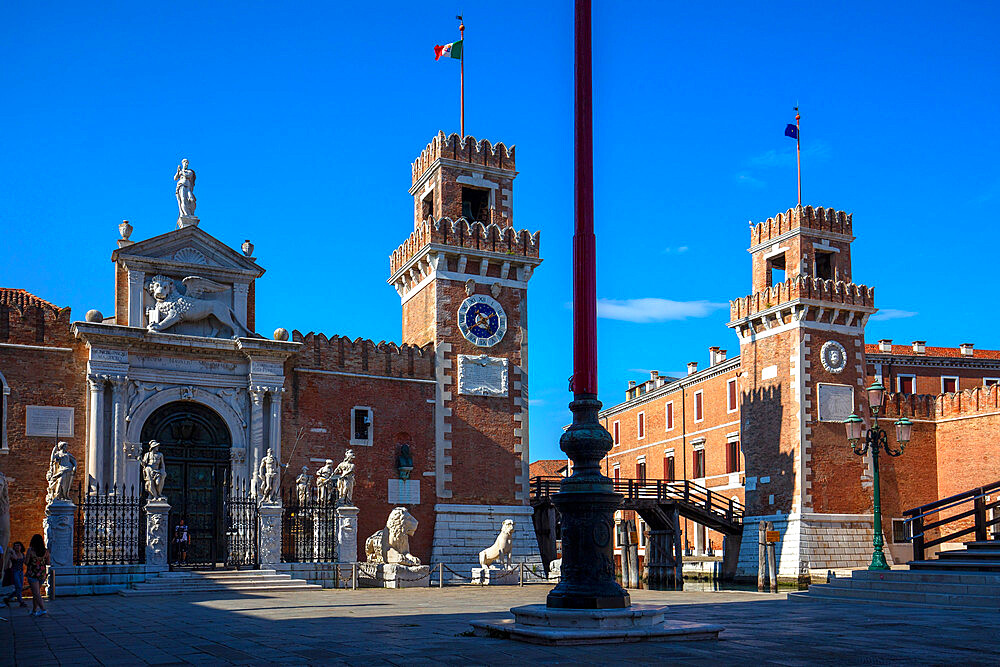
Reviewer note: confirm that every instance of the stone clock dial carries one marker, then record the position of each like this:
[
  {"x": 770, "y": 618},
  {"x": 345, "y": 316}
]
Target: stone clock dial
[{"x": 482, "y": 320}]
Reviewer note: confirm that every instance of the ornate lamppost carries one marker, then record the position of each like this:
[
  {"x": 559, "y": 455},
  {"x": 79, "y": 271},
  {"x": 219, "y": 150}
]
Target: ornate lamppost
[
  {"x": 875, "y": 439},
  {"x": 586, "y": 499}
]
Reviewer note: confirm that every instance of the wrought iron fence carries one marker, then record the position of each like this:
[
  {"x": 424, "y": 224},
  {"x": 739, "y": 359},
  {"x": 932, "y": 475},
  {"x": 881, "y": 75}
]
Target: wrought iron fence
[
  {"x": 242, "y": 526},
  {"x": 110, "y": 527},
  {"x": 308, "y": 528}
]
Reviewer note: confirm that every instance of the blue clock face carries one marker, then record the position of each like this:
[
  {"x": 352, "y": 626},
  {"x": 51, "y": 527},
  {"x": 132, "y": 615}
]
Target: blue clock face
[{"x": 482, "y": 320}]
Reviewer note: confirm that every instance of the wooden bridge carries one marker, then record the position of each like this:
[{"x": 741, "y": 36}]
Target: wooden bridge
[{"x": 660, "y": 503}]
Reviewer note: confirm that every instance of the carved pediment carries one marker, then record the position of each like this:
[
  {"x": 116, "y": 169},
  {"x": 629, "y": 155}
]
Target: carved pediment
[{"x": 187, "y": 250}]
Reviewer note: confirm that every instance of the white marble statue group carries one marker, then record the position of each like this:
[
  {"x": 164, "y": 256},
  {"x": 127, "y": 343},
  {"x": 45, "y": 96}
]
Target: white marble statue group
[{"x": 334, "y": 484}]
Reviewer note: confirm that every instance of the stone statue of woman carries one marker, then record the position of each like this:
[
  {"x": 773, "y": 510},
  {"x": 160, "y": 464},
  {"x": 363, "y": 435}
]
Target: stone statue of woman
[
  {"x": 62, "y": 466},
  {"x": 186, "y": 202}
]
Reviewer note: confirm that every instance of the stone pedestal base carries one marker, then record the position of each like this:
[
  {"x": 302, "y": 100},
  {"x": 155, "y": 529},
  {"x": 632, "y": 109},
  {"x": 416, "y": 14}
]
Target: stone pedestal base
[
  {"x": 270, "y": 533},
  {"x": 157, "y": 537},
  {"x": 187, "y": 221},
  {"x": 57, "y": 527},
  {"x": 539, "y": 624},
  {"x": 347, "y": 534},
  {"x": 389, "y": 575},
  {"x": 492, "y": 576}
]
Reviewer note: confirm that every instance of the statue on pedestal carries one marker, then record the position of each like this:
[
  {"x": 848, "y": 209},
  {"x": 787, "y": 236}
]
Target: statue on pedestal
[
  {"x": 62, "y": 466},
  {"x": 154, "y": 471},
  {"x": 501, "y": 549},
  {"x": 345, "y": 481},
  {"x": 302, "y": 486},
  {"x": 184, "y": 190},
  {"x": 269, "y": 474},
  {"x": 392, "y": 544},
  {"x": 325, "y": 480}
]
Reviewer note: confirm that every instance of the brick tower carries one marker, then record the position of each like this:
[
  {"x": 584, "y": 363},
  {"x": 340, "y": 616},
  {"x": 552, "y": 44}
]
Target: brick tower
[
  {"x": 462, "y": 277},
  {"x": 801, "y": 335}
]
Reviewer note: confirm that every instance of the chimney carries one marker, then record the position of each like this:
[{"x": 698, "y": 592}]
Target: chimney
[
  {"x": 722, "y": 356},
  {"x": 885, "y": 345},
  {"x": 692, "y": 367},
  {"x": 713, "y": 355},
  {"x": 631, "y": 384},
  {"x": 919, "y": 346},
  {"x": 654, "y": 374},
  {"x": 967, "y": 350}
]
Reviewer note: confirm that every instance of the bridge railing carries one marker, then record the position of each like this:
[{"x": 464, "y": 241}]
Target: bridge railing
[
  {"x": 963, "y": 513},
  {"x": 660, "y": 490}
]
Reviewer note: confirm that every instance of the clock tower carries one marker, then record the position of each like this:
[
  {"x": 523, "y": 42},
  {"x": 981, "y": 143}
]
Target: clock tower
[{"x": 462, "y": 277}]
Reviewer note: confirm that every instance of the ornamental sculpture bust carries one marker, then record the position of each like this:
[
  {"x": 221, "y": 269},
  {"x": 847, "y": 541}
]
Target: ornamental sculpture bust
[
  {"x": 62, "y": 467},
  {"x": 154, "y": 471},
  {"x": 172, "y": 308}
]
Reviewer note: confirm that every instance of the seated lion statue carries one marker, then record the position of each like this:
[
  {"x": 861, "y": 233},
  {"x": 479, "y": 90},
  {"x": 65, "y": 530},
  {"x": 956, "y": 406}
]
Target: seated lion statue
[
  {"x": 500, "y": 551},
  {"x": 392, "y": 543}
]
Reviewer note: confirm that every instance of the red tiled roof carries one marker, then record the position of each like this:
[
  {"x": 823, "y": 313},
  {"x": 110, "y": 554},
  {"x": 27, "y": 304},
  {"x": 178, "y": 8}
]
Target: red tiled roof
[
  {"x": 873, "y": 348},
  {"x": 21, "y": 299},
  {"x": 547, "y": 468}
]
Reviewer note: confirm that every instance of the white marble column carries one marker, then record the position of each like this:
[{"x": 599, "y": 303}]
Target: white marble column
[
  {"x": 95, "y": 445},
  {"x": 256, "y": 431},
  {"x": 274, "y": 436},
  {"x": 136, "y": 295},
  {"x": 119, "y": 386}
]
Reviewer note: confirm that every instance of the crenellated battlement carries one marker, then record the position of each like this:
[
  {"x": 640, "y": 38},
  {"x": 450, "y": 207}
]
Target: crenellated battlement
[
  {"x": 362, "y": 355},
  {"x": 969, "y": 402},
  {"x": 463, "y": 149},
  {"x": 836, "y": 292},
  {"x": 463, "y": 234},
  {"x": 27, "y": 319},
  {"x": 822, "y": 219}
]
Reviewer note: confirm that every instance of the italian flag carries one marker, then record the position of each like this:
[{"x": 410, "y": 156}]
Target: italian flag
[{"x": 453, "y": 50}]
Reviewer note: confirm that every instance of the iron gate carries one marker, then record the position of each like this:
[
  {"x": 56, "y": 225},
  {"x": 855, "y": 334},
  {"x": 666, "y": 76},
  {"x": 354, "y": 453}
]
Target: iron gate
[
  {"x": 110, "y": 528},
  {"x": 308, "y": 529},
  {"x": 242, "y": 517}
]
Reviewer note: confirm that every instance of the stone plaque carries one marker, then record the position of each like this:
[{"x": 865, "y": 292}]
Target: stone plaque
[
  {"x": 482, "y": 375},
  {"x": 404, "y": 492},
  {"x": 267, "y": 367},
  {"x": 836, "y": 402},
  {"x": 115, "y": 356},
  {"x": 48, "y": 421}
]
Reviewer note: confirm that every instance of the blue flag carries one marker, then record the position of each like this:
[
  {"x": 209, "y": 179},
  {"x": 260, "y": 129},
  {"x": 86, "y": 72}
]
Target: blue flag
[{"x": 792, "y": 131}]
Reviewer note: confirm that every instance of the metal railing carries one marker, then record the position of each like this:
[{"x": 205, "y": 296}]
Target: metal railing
[
  {"x": 970, "y": 517},
  {"x": 308, "y": 529},
  {"x": 683, "y": 491},
  {"x": 110, "y": 528},
  {"x": 242, "y": 515}
]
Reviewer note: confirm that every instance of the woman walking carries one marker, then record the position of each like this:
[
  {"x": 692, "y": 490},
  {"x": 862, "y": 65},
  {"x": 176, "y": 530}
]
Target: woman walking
[
  {"x": 16, "y": 566},
  {"x": 35, "y": 565}
]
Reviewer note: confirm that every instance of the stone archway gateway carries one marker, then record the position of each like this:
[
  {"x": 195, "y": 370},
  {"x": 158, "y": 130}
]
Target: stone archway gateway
[{"x": 195, "y": 443}]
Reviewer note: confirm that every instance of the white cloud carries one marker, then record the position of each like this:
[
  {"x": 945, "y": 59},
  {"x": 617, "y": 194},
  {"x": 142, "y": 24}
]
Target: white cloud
[
  {"x": 678, "y": 249},
  {"x": 744, "y": 178},
  {"x": 537, "y": 401},
  {"x": 892, "y": 314},
  {"x": 654, "y": 310}
]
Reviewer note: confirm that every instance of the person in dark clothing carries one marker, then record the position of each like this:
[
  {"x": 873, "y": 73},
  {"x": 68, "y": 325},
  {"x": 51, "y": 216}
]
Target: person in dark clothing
[
  {"x": 36, "y": 564},
  {"x": 16, "y": 566},
  {"x": 182, "y": 539}
]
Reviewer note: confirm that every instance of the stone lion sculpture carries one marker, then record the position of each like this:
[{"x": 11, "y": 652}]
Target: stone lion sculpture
[
  {"x": 172, "y": 308},
  {"x": 501, "y": 549},
  {"x": 392, "y": 543}
]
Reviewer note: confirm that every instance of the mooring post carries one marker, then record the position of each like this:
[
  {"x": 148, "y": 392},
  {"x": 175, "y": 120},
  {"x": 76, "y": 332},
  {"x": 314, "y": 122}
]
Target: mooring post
[
  {"x": 772, "y": 561},
  {"x": 761, "y": 554}
]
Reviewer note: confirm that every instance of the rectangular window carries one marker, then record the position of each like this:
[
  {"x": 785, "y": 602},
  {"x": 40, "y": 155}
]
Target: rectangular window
[
  {"x": 731, "y": 395},
  {"x": 642, "y": 532},
  {"x": 361, "y": 425},
  {"x": 616, "y": 432},
  {"x": 640, "y": 471},
  {"x": 733, "y": 456},
  {"x": 824, "y": 265},
  {"x": 668, "y": 468},
  {"x": 641, "y": 423},
  {"x": 990, "y": 382},
  {"x": 670, "y": 416},
  {"x": 475, "y": 204},
  {"x": 699, "y": 406},
  {"x": 776, "y": 269},
  {"x": 618, "y": 473},
  {"x": 905, "y": 383},
  {"x": 900, "y": 531},
  {"x": 699, "y": 463},
  {"x": 949, "y": 385}
]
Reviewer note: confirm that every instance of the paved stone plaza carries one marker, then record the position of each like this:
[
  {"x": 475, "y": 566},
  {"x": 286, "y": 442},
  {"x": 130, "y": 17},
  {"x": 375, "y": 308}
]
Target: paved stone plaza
[{"x": 426, "y": 626}]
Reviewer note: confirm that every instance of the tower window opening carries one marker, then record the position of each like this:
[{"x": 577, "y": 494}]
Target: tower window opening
[
  {"x": 776, "y": 269},
  {"x": 427, "y": 207},
  {"x": 475, "y": 204},
  {"x": 824, "y": 265}
]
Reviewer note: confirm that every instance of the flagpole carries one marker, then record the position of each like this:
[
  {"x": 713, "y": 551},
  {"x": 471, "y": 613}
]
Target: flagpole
[
  {"x": 798, "y": 151},
  {"x": 461, "y": 33}
]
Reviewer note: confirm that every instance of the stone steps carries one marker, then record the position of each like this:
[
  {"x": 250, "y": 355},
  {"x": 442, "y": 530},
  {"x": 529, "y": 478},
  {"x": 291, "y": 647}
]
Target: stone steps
[{"x": 186, "y": 582}]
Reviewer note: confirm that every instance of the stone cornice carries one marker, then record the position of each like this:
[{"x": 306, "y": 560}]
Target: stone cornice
[
  {"x": 138, "y": 339},
  {"x": 460, "y": 165},
  {"x": 803, "y": 231},
  {"x": 931, "y": 362}
]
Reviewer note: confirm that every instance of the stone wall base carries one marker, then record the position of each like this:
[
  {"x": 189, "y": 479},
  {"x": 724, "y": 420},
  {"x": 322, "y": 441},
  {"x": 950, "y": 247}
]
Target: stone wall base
[
  {"x": 811, "y": 541},
  {"x": 462, "y": 531},
  {"x": 100, "y": 579},
  {"x": 327, "y": 575}
]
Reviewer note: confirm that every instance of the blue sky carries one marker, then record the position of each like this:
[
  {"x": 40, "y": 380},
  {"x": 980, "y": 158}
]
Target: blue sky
[{"x": 302, "y": 119}]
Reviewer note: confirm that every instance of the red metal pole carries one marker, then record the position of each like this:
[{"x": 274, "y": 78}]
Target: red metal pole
[
  {"x": 461, "y": 33},
  {"x": 798, "y": 151},
  {"x": 584, "y": 242}
]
